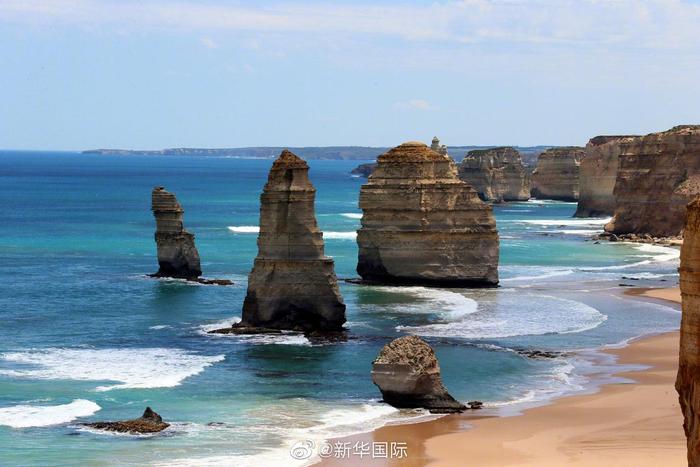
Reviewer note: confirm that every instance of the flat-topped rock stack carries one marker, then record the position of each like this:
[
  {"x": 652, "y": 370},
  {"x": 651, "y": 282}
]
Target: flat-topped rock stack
[
  {"x": 496, "y": 174},
  {"x": 557, "y": 174},
  {"x": 421, "y": 224},
  {"x": 293, "y": 285},
  {"x": 658, "y": 175},
  {"x": 688, "y": 379},
  {"x": 177, "y": 254},
  {"x": 597, "y": 176}
]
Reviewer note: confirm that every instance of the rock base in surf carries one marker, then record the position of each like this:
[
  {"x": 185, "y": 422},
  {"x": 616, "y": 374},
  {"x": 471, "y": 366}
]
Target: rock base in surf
[
  {"x": 408, "y": 376},
  {"x": 149, "y": 422}
]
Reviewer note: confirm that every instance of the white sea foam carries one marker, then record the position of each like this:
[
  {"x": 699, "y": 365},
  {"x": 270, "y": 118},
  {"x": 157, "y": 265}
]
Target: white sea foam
[
  {"x": 574, "y": 231},
  {"x": 24, "y": 416},
  {"x": 516, "y": 315},
  {"x": 132, "y": 368},
  {"x": 286, "y": 338},
  {"x": 244, "y": 228},
  {"x": 593, "y": 222},
  {"x": 160, "y": 326},
  {"x": 448, "y": 304},
  {"x": 224, "y": 323},
  {"x": 657, "y": 252},
  {"x": 340, "y": 235},
  {"x": 352, "y": 215},
  {"x": 545, "y": 275}
]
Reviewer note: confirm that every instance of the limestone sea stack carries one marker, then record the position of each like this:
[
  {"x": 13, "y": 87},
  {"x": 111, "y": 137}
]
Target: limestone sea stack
[
  {"x": 598, "y": 172},
  {"x": 497, "y": 174},
  {"x": 408, "y": 375},
  {"x": 177, "y": 254},
  {"x": 688, "y": 380},
  {"x": 557, "y": 174},
  {"x": 293, "y": 284},
  {"x": 422, "y": 225},
  {"x": 149, "y": 422},
  {"x": 658, "y": 175}
]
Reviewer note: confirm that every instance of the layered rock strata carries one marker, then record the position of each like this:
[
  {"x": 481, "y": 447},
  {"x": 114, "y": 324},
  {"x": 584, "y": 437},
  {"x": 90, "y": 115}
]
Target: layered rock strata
[
  {"x": 149, "y": 422},
  {"x": 177, "y": 254},
  {"x": 658, "y": 175},
  {"x": 293, "y": 285},
  {"x": 408, "y": 375},
  {"x": 688, "y": 380},
  {"x": 597, "y": 175},
  {"x": 496, "y": 174},
  {"x": 422, "y": 225},
  {"x": 557, "y": 174}
]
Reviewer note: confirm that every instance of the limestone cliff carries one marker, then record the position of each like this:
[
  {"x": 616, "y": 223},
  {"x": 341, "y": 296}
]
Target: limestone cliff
[
  {"x": 688, "y": 380},
  {"x": 597, "y": 176},
  {"x": 421, "y": 224},
  {"x": 658, "y": 175},
  {"x": 177, "y": 254},
  {"x": 557, "y": 174},
  {"x": 407, "y": 373},
  {"x": 293, "y": 284},
  {"x": 496, "y": 174}
]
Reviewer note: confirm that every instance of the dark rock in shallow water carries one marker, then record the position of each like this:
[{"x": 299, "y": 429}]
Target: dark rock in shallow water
[
  {"x": 475, "y": 405},
  {"x": 245, "y": 330},
  {"x": 364, "y": 170},
  {"x": 177, "y": 254},
  {"x": 408, "y": 375},
  {"x": 150, "y": 422}
]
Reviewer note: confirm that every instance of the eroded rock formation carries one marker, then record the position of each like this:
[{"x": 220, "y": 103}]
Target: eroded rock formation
[
  {"x": 364, "y": 170},
  {"x": 658, "y": 175},
  {"x": 496, "y": 174},
  {"x": 688, "y": 380},
  {"x": 177, "y": 254},
  {"x": 437, "y": 147},
  {"x": 293, "y": 284},
  {"x": 598, "y": 172},
  {"x": 408, "y": 375},
  {"x": 557, "y": 174},
  {"x": 149, "y": 422},
  {"x": 422, "y": 225}
]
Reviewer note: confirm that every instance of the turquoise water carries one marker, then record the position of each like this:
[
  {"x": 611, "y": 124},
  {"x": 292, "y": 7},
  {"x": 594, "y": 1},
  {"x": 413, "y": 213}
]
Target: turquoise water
[{"x": 85, "y": 336}]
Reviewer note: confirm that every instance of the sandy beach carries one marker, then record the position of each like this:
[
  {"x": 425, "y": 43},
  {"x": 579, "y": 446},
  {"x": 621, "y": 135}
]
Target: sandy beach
[{"x": 638, "y": 424}]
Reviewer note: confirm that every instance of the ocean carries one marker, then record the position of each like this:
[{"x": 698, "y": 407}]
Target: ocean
[{"x": 86, "y": 336}]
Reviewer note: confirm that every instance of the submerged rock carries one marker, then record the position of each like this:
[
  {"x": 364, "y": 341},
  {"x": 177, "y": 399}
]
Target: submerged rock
[
  {"x": 149, "y": 422},
  {"x": 422, "y": 225},
  {"x": 177, "y": 254},
  {"x": 557, "y": 174},
  {"x": 688, "y": 379},
  {"x": 658, "y": 175},
  {"x": 598, "y": 172},
  {"x": 497, "y": 174},
  {"x": 408, "y": 375},
  {"x": 293, "y": 285}
]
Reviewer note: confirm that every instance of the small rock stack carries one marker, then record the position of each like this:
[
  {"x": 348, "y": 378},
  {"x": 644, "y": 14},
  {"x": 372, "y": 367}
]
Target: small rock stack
[
  {"x": 422, "y": 225},
  {"x": 497, "y": 174},
  {"x": 293, "y": 284},
  {"x": 177, "y": 254}
]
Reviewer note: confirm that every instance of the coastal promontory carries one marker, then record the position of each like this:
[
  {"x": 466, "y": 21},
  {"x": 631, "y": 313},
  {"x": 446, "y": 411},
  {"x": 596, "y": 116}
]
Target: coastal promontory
[
  {"x": 658, "y": 175},
  {"x": 497, "y": 174},
  {"x": 421, "y": 224},
  {"x": 557, "y": 174}
]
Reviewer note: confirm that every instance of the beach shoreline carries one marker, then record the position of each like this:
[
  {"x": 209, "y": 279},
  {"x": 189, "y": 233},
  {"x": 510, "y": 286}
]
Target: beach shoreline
[{"x": 619, "y": 424}]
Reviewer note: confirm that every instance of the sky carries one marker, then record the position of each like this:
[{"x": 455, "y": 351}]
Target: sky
[{"x": 151, "y": 74}]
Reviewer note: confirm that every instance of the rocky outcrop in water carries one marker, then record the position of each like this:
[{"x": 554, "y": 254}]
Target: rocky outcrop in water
[
  {"x": 408, "y": 375},
  {"x": 658, "y": 175},
  {"x": 293, "y": 285},
  {"x": 422, "y": 225},
  {"x": 177, "y": 254},
  {"x": 150, "y": 422},
  {"x": 364, "y": 170},
  {"x": 688, "y": 380},
  {"x": 557, "y": 174},
  {"x": 598, "y": 172},
  {"x": 496, "y": 174}
]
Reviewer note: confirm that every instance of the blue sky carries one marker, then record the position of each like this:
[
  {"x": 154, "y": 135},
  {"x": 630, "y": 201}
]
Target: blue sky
[{"x": 78, "y": 74}]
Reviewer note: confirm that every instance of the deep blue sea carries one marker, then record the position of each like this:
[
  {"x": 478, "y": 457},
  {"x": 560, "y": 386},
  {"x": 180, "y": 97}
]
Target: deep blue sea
[{"x": 85, "y": 335}]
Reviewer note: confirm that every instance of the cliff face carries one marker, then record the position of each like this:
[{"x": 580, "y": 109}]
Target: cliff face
[
  {"x": 177, "y": 254},
  {"x": 658, "y": 175},
  {"x": 364, "y": 170},
  {"x": 293, "y": 284},
  {"x": 598, "y": 173},
  {"x": 688, "y": 380},
  {"x": 557, "y": 174},
  {"x": 423, "y": 225},
  {"x": 496, "y": 174}
]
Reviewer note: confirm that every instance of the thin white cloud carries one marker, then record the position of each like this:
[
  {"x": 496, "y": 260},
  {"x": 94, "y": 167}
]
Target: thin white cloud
[
  {"x": 415, "y": 104},
  {"x": 208, "y": 42}
]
